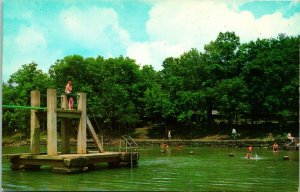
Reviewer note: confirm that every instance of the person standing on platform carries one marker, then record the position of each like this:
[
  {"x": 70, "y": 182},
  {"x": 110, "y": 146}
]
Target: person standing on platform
[{"x": 68, "y": 91}]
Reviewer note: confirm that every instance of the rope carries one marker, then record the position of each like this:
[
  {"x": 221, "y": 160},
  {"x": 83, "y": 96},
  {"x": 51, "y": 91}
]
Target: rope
[{"x": 22, "y": 107}]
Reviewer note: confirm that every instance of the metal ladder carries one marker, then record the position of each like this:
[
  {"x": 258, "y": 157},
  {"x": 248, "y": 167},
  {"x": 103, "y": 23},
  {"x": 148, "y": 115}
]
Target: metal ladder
[{"x": 129, "y": 144}]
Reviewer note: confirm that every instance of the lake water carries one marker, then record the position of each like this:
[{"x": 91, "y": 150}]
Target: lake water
[{"x": 208, "y": 169}]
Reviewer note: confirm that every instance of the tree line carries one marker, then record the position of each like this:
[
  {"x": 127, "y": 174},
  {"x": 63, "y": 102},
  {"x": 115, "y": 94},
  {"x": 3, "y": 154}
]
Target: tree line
[{"x": 240, "y": 82}]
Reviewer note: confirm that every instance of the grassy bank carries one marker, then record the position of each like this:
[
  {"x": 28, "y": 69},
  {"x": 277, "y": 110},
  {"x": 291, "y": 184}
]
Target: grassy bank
[{"x": 141, "y": 135}]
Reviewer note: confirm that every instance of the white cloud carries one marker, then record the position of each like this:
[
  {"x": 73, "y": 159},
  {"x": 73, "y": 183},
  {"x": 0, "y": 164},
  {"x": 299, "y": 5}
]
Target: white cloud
[
  {"x": 140, "y": 52},
  {"x": 30, "y": 39},
  {"x": 29, "y": 45},
  {"x": 183, "y": 25},
  {"x": 153, "y": 53},
  {"x": 73, "y": 31},
  {"x": 173, "y": 28},
  {"x": 94, "y": 27},
  {"x": 271, "y": 25}
]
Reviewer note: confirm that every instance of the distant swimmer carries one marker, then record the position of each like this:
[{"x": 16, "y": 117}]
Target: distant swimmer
[
  {"x": 249, "y": 152},
  {"x": 250, "y": 149},
  {"x": 275, "y": 148},
  {"x": 162, "y": 147},
  {"x": 167, "y": 146},
  {"x": 179, "y": 147}
]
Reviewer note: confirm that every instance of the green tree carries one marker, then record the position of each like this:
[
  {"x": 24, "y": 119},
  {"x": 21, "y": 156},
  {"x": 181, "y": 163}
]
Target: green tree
[
  {"x": 158, "y": 105},
  {"x": 270, "y": 72},
  {"x": 218, "y": 58},
  {"x": 231, "y": 98},
  {"x": 17, "y": 92}
]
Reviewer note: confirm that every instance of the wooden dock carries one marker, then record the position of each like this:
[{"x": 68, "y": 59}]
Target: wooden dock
[
  {"x": 64, "y": 161},
  {"x": 72, "y": 163}
]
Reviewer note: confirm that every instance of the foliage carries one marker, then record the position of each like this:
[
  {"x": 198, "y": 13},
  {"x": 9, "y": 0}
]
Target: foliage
[
  {"x": 17, "y": 92},
  {"x": 257, "y": 80}
]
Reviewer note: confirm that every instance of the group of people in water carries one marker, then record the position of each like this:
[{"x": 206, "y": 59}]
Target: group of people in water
[
  {"x": 166, "y": 146},
  {"x": 248, "y": 155}
]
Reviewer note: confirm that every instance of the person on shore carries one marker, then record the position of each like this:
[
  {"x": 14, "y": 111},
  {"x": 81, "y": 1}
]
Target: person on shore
[
  {"x": 275, "y": 148},
  {"x": 233, "y": 133},
  {"x": 292, "y": 139},
  {"x": 68, "y": 91},
  {"x": 169, "y": 135}
]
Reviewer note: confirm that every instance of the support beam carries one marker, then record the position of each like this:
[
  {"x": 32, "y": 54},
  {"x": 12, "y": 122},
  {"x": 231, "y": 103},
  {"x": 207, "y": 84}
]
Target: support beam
[
  {"x": 34, "y": 123},
  {"x": 65, "y": 128},
  {"x": 51, "y": 122},
  {"x": 64, "y": 101},
  {"x": 81, "y": 135},
  {"x": 94, "y": 136},
  {"x": 65, "y": 136}
]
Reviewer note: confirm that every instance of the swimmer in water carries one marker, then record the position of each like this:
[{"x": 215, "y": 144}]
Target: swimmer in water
[
  {"x": 275, "y": 148},
  {"x": 250, "y": 149},
  {"x": 179, "y": 147}
]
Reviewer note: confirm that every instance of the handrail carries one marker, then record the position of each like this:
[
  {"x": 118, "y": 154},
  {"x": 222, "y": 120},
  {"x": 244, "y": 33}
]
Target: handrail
[
  {"x": 132, "y": 145},
  {"x": 128, "y": 141}
]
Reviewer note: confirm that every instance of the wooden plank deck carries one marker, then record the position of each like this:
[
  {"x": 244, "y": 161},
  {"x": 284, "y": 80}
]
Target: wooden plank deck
[
  {"x": 70, "y": 163},
  {"x": 62, "y": 113}
]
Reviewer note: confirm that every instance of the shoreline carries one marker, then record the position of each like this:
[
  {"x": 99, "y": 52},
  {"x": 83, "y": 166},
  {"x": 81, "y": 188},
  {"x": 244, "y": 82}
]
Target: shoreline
[{"x": 239, "y": 143}]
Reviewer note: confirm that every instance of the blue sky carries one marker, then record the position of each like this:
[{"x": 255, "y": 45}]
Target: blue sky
[{"x": 146, "y": 30}]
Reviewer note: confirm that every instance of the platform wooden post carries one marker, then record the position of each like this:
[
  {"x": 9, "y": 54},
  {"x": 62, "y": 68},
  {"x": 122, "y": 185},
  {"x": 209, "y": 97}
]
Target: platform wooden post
[
  {"x": 65, "y": 128},
  {"x": 64, "y": 101},
  {"x": 35, "y": 124},
  {"x": 81, "y": 135},
  {"x": 51, "y": 122}
]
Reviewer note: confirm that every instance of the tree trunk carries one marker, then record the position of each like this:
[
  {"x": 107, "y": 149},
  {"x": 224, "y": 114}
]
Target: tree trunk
[
  {"x": 209, "y": 116},
  {"x": 236, "y": 118}
]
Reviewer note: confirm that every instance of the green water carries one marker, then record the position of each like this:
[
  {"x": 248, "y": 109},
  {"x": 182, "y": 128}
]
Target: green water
[{"x": 208, "y": 169}]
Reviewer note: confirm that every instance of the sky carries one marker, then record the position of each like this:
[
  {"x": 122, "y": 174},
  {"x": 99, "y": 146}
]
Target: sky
[{"x": 147, "y": 31}]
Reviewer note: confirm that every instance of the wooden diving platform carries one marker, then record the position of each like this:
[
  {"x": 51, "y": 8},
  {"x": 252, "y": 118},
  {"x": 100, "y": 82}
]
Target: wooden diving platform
[
  {"x": 72, "y": 163},
  {"x": 65, "y": 161}
]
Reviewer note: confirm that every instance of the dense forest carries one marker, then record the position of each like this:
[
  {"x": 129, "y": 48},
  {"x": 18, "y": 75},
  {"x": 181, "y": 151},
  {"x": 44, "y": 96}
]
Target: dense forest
[{"x": 229, "y": 84}]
